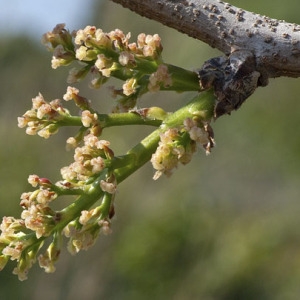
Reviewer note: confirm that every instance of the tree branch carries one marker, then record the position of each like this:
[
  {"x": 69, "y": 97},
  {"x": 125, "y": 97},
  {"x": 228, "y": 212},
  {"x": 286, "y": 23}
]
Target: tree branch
[{"x": 275, "y": 44}]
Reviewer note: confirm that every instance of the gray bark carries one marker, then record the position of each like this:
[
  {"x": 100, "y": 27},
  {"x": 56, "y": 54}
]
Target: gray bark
[{"x": 275, "y": 44}]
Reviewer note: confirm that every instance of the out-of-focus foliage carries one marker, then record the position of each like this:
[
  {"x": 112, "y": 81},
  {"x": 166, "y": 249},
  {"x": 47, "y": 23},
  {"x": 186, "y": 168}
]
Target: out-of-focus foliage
[{"x": 222, "y": 227}]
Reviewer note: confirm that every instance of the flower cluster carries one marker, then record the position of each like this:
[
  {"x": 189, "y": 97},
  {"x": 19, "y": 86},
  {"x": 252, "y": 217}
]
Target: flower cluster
[
  {"x": 17, "y": 241},
  {"x": 83, "y": 232},
  {"x": 72, "y": 93},
  {"x": 95, "y": 171},
  {"x": 89, "y": 160},
  {"x": 43, "y": 118},
  {"x": 202, "y": 135},
  {"x": 37, "y": 214},
  {"x": 159, "y": 78},
  {"x": 60, "y": 42},
  {"x": 106, "y": 54},
  {"x": 37, "y": 217},
  {"x": 177, "y": 145},
  {"x": 12, "y": 244},
  {"x": 170, "y": 151}
]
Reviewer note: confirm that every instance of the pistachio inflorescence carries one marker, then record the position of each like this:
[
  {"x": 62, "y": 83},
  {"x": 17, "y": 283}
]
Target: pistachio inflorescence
[{"x": 93, "y": 176}]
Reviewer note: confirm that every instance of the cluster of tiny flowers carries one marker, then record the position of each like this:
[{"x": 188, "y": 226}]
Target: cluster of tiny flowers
[
  {"x": 103, "y": 55},
  {"x": 88, "y": 159},
  {"x": 105, "y": 52},
  {"x": 48, "y": 259},
  {"x": 60, "y": 42},
  {"x": 83, "y": 233},
  {"x": 37, "y": 214},
  {"x": 174, "y": 148},
  {"x": 42, "y": 117},
  {"x": 79, "y": 239},
  {"x": 88, "y": 118},
  {"x": 12, "y": 245},
  {"x": 90, "y": 41},
  {"x": 201, "y": 135},
  {"x": 38, "y": 217},
  {"x": 159, "y": 78},
  {"x": 73, "y": 94},
  {"x": 170, "y": 152}
]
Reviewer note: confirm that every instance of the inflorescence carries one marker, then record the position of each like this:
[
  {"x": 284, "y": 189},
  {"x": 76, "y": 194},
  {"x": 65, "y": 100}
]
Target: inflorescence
[
  {"x": 95, "y": 172},
  {"x": 110, "y": 54}
]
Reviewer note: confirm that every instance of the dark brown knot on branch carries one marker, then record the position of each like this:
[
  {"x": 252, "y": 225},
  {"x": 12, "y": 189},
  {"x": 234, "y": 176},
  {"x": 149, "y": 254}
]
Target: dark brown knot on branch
[{"x": 234, "y": 78}]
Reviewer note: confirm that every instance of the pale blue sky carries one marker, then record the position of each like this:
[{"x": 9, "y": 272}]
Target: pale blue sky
[{"x": 40, "y": 16}]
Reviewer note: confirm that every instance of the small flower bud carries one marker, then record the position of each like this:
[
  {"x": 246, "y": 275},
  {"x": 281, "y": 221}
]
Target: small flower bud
[
  {"x": 129, "y": 87},
  {"x": 88, "y": 118},
  {"x": 71, "y": 91},
  {"x": 108, "y": 187},
  {"x": 34, "y": 180}
]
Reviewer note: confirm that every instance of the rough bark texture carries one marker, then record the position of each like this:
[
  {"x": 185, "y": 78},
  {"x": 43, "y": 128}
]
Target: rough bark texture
[{"x": 274, "y": 44}]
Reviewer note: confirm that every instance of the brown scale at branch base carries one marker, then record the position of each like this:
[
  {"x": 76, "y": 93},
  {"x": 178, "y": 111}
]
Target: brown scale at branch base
[{"x": 234, "y": 78}]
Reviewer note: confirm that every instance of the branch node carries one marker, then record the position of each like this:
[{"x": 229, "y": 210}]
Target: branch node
[{"x": 234, "y": 78}]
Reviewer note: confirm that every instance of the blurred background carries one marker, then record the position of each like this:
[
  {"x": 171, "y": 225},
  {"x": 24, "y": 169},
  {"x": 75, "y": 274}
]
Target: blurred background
[{"x": 224, "y": 227}]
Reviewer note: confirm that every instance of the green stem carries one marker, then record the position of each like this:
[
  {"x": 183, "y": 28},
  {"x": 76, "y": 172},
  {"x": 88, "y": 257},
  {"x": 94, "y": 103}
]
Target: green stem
[
  {"x": 69, "y": 121},
  {"x": 183, "y": 80},
  {"x": 120, "y": 119},
  {"x": 106, "y": 204},
  {"x": 114, "y": 119},
  {"x": 140, "y": 154}
]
